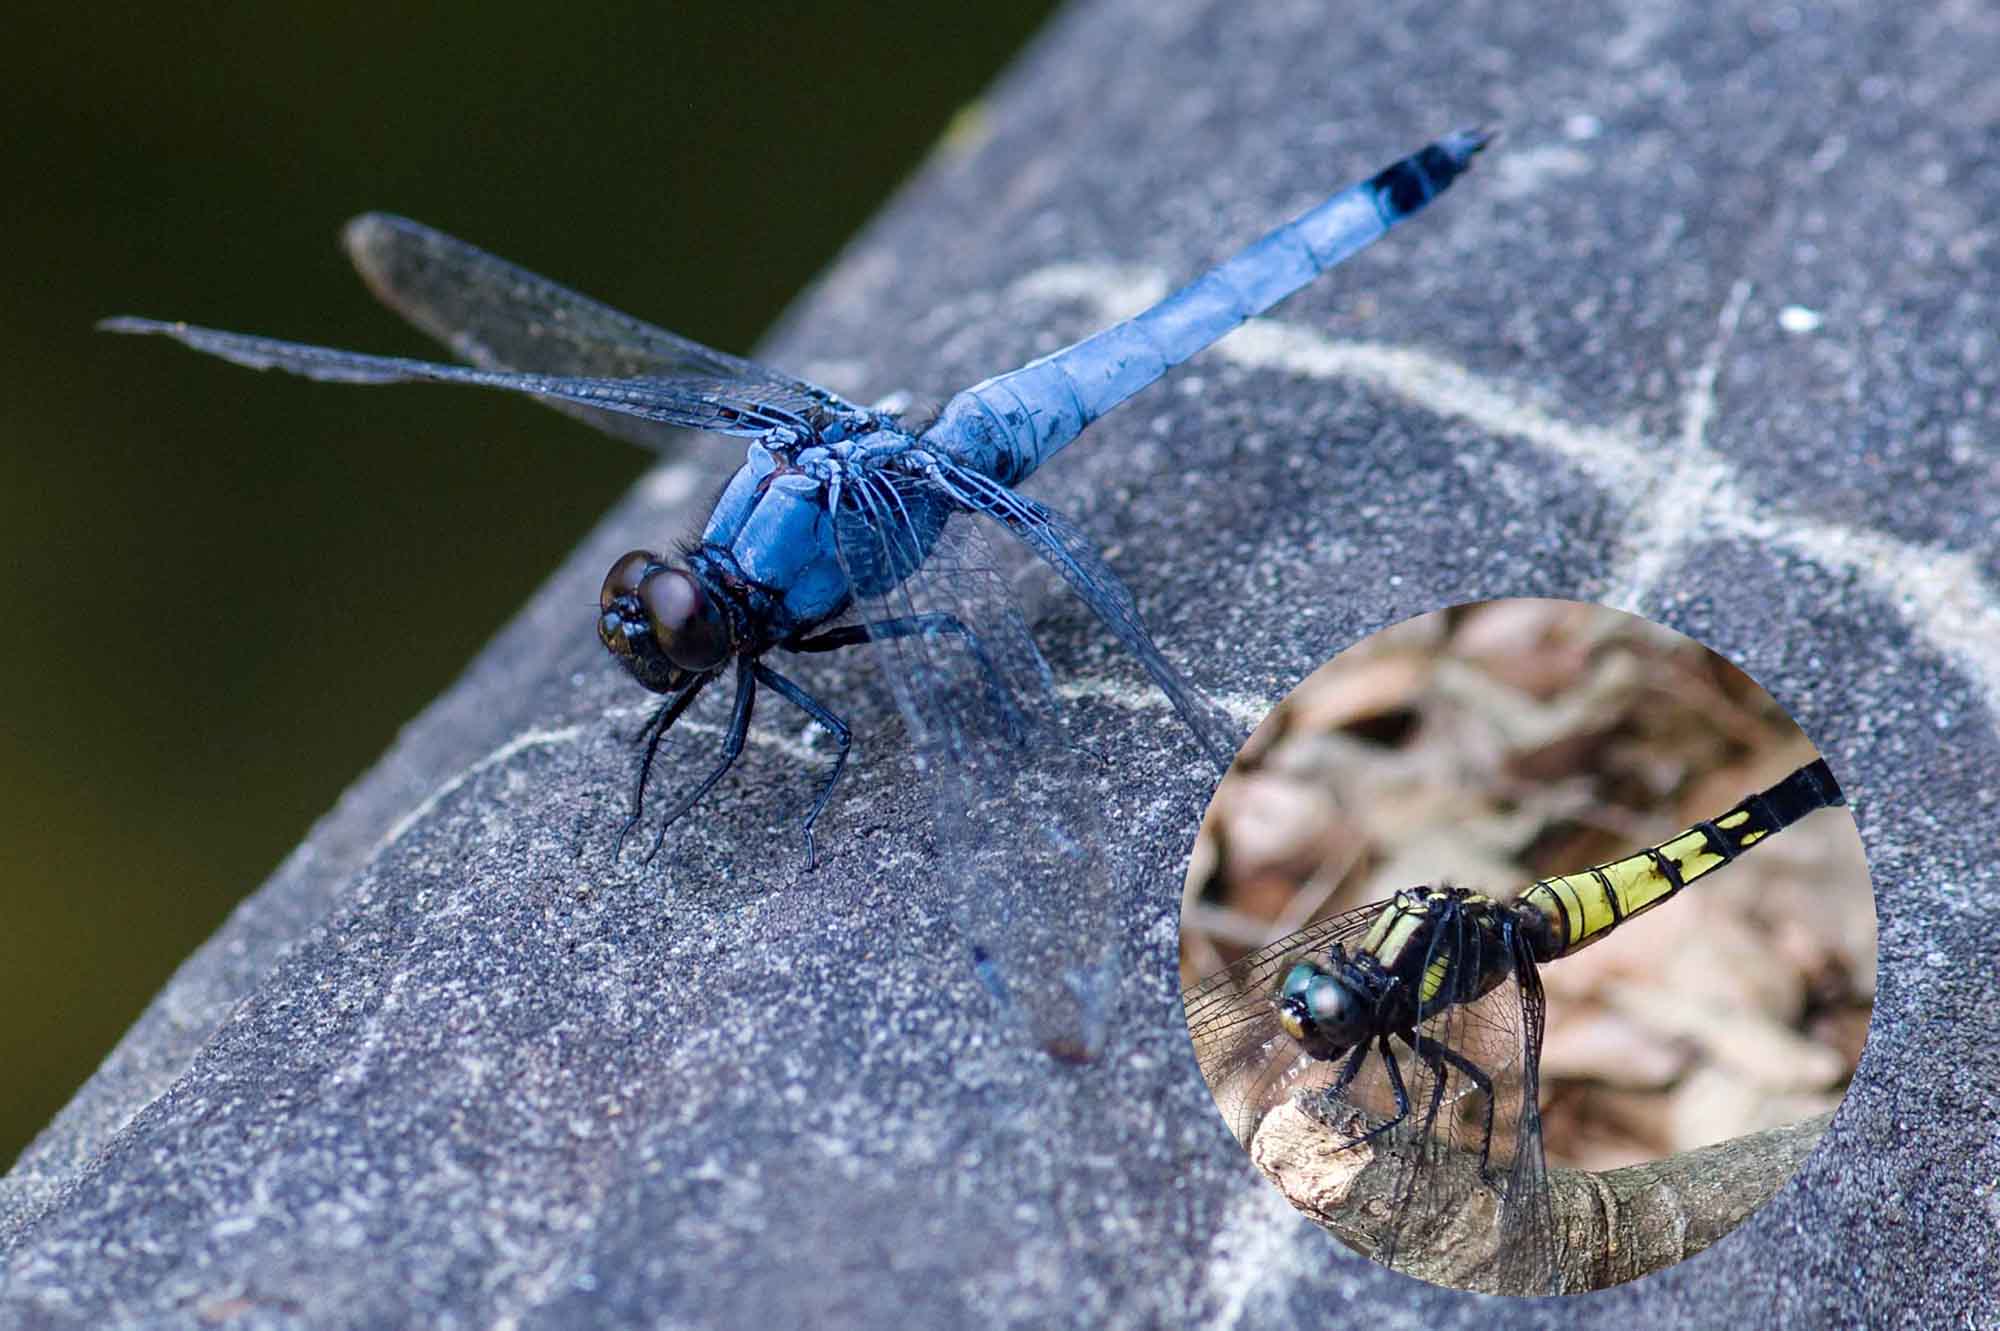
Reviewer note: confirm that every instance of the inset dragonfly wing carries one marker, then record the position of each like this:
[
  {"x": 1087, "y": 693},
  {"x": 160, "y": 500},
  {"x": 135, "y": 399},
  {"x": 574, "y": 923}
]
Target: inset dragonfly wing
[
  {"x": 1250, "y": 1064},
  {"x": 1037, "y": 885},
  {"x": 1508, "y": 1026},
  {"x": 1457, "y": 1119},
  {"x": 499, "y": 316},
  {"x": 688, "y": 404},
  {"x": 1468, "y": 1138},
  {"x": 1446, "y": 1123}
]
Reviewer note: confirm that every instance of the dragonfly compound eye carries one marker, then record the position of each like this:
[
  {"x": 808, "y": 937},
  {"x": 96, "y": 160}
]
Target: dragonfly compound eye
[
  {"x": 1318, "y": 1011},
  {"x": 686, "y": 625},
  {"x": 659, "y": 624},
  {"x": 625, "y": 577}
]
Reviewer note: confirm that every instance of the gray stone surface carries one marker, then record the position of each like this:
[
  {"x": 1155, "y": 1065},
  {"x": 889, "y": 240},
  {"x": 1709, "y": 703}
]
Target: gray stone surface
[{"x": 452, "y": 1067}]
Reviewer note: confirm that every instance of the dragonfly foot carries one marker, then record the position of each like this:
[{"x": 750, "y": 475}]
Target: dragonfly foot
[
  {"x": 658, "y": 841},
  {"x": 618, "y": 846}
]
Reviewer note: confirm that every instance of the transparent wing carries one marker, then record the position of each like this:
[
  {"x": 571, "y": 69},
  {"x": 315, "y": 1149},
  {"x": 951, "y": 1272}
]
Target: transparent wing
[
  {"x": 498, "y": 316},
  {"x": 718, "y": 407},
  {"x": 1252, "y": 1067},
  {"x": 1033, "y": 878},
  {"x": 1073, "y": 555},
  {"x": 1250, "y": 1064},
  {"x": 1455, "y": 1124}
]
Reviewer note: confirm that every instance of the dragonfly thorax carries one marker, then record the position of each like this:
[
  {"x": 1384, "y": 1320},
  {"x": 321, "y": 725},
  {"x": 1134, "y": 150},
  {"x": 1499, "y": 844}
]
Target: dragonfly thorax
[
  {"x": 660, "y": 623},
  {"x": 849, "y": 456}
]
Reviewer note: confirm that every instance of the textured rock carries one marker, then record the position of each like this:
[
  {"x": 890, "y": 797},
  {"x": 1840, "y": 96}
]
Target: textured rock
[{"x": 453, "y": 1067}]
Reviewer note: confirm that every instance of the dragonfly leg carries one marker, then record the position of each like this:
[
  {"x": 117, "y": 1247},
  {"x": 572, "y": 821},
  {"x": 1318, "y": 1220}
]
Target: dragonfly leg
[
  {"x": 842, "y": 736},
  {"x": 1435, "y": 1054},
  {"x": 654, "y": 731},
  {"x": 1426, "y": 1050},
  {"x": 1352, "y": 1069},
  {"x": 732, "y": 749},
  {"x": 647, "y": 732},
  {"x": 912, "y": 626}
]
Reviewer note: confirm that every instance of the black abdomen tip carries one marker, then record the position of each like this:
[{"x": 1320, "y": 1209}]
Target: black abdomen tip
[
  {"x": 1461, "y": 144},
  {"x": 1413, "y": 182}
]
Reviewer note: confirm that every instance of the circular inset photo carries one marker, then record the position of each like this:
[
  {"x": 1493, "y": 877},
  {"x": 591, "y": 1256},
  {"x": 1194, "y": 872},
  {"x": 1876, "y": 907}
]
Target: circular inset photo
[{"x": 1528, "y": 947}]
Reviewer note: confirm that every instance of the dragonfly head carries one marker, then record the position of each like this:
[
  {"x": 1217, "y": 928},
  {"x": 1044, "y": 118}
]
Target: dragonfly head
[
  {"x": 1321, "y": 1012},
  {"x": 660, "y": 624}
]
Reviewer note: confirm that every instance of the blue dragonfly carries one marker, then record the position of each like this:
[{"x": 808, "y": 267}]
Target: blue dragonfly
[{"x": 836, "y": 531}]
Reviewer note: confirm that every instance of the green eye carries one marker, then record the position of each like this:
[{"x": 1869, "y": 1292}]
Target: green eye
[{"x": 1326, "y": 1002}]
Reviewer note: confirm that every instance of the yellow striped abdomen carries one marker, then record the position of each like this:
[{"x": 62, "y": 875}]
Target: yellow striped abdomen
[{"x": 1579, "y": 908}]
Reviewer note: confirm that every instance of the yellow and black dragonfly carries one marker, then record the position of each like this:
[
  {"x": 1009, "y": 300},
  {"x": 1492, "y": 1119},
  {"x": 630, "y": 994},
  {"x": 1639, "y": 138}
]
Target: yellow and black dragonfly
[{"x": 1420, "y": 1019}]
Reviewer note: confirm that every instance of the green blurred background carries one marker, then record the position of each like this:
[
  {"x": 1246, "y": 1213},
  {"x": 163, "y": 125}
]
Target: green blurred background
[{"x": 221, "y": 587}]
